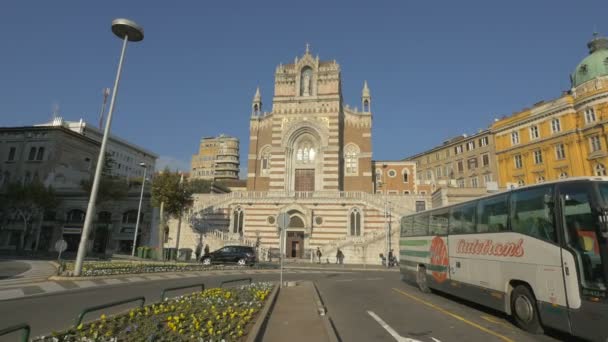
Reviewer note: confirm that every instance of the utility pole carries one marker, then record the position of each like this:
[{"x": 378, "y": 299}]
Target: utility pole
[{"x": 106, "y": 93}]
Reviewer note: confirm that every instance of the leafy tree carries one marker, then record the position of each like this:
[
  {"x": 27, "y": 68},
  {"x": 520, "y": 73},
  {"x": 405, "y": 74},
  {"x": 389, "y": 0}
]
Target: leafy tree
[
  {"x": 167, "y": 188},
  {"x": 27, "y": 202},
  {"x": 111, "y": 187}
]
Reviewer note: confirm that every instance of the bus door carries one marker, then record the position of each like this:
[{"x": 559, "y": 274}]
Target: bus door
[{"x": 583, "y": 267}]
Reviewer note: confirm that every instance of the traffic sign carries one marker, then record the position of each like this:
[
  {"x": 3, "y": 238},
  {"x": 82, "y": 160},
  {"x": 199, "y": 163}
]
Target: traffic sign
[{"x": 61, "y": 246}]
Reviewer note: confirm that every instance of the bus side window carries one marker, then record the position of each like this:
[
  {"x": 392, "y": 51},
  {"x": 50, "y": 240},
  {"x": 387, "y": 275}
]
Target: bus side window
[
  {"x": 492, "y": 214},
  {"x": 439, "y": 222},
  {"x": 462, "y": 219},
  {"x": 530, "y": 214},
  {"x": 421, "y": 225}
]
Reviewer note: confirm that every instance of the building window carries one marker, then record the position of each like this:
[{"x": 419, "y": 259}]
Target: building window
[
  {"x": 589, "y": 115},
  {"x": 460, "y": 182},
  {"x": 438, "y": 171},
  {"x": 429, "y": 174},
  {"x": 32, "y": 154},
  {"x": 487, "y": 178},
  {"x": 130, "y": 217},
  {"x": 406, "y": 176},
  {"x": 595, "y": 143},
  {"x": 392, "y": 173},
  {"x": 351, "y": 157},
  {"x": 420, "y": 206},
  {"x": 560, "y": 152},
  {"x": 600, "y": 170},
  {"x": 555, "y": 125},
  {"x": 448, "y": 170},
  {"x": 40, "y": 154},
  {"x": 266, "y": 161},
  {"x": 11, "y": 153},
  {"x": 474, "y": 182},
  {"x": 521, "y": 182},
  {"x": 447, "y": 153},
  {"x": 534, "y": 134},
  {"x": 305, "y": 153},
  {"x": 75, "y": 216},
  {"x": 471, "y": 145},
  {"x": 540, "y": 179},
  {"x": 514, "y": 138},
  {"x": 378, "y": 178},
  {"x": 355, "y": 222},
  {"x": 563, "y": 175},
  {"x": 518, "y": 161},
  {"x": 538, "y": 157},
  {"x": 483, "y": 141},
  {"x": 406, "y": 192},
  {"x": 485, "y": 159},
  {"x": 458, "y": 149},
  {"x": 436, "y": 155},
  {"x": 472, "y": 163},
  {"x": 238, "y": 217},
  {"x": 460, "y": 166}
]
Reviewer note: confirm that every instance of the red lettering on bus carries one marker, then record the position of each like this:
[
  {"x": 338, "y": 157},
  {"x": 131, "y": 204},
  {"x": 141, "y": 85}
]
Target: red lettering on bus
[{"x": 489, "y": 247}]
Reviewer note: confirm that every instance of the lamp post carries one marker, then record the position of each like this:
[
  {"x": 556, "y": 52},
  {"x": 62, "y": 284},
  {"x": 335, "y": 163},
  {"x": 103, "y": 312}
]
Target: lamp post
[
  {"x": 127, "y": 30},
  {"x": 141, "y": 197}
]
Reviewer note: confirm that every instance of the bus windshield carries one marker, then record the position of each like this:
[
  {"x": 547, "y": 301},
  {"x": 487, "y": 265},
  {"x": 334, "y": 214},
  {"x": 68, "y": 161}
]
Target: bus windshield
[{"x": 583, "y": 234}]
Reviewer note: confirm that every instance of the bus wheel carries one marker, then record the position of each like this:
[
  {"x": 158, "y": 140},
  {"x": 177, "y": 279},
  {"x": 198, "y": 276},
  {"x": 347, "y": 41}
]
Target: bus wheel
[
  {"x": 422, "y": 281},
  {"x": 524, "y": 310}
]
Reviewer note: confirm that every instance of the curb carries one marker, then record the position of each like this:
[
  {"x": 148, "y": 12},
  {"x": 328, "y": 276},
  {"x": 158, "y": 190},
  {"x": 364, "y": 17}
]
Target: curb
[
  {"x": 127, "y": 275},
  {"x": 327, "y": 322},
  {"x": 395, "y": 269},
  {"x": 257, "y": 331}
]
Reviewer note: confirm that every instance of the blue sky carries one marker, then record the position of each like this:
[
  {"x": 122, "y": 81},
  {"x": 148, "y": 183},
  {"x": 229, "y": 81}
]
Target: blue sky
[{"x": 436, "y": 69}]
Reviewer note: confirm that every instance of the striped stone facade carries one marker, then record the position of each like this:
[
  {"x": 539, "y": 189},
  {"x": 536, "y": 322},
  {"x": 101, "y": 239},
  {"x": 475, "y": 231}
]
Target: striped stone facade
[{"x": 310, "y": 157}]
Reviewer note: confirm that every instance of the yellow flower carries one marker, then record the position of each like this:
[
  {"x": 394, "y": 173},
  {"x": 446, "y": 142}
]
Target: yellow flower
[
  {"x": 79, "y": 327},
  {"x": 103, "y": 316}
]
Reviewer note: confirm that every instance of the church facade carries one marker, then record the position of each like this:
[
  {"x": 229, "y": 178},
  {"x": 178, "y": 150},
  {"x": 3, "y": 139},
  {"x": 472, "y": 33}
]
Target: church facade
[{"x": 310, "y": 156}]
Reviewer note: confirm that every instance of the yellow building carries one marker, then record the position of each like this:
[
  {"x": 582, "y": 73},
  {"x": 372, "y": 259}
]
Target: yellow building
[
  {"x": 564, "y": 137},
  {"x": 217, "y": 159}
]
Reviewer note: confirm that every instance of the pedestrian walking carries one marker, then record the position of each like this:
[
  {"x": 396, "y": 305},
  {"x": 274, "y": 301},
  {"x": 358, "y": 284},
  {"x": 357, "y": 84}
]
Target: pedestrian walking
[
  {"x": 319, "y": 254},
  {"x": 206, "y": 250},
  {"x": 340, "y": 257},
  {"x": 391, "y": 258}
]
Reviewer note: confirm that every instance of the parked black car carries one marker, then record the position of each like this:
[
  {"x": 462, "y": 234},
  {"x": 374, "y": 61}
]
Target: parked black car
[{"x": 241, "y": 255}]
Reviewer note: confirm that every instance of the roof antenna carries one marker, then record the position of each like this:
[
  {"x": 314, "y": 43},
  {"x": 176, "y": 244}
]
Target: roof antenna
[{"x": 106, "y": 92}]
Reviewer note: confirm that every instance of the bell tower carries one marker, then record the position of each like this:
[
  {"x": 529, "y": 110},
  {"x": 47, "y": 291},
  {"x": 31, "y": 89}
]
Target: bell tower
[
  {"x": 366, "y": 99},
  {"x": 256, "y": 106}
]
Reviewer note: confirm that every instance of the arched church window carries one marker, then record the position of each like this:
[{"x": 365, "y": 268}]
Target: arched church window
[
  {"x": 355, "y": 222},
  {"x": 237, "y": 220},
  {"x": 305, "y": 152},
  {"x": 406, "y": 176},
  {"x": 306, "y": 81},
  {"x": 265, "y": 158},
  {"x": 351, "y": 159}
]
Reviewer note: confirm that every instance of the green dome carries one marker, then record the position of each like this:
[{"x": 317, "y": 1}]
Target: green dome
[{"x": 594, "y": 65}]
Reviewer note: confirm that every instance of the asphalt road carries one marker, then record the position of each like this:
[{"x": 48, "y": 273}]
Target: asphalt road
[
  {"x": 364, "y": 306},
  {"x": 10, "y": 268}
]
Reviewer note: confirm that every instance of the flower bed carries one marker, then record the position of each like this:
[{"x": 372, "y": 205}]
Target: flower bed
[
  {"x": 98, "y": 268},
  {"x": 212, "y": 315}
]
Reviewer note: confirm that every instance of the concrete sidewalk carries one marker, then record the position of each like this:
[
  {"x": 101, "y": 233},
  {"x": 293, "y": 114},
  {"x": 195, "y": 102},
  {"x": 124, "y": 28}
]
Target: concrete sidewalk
[{"x": 295, "y": 317}]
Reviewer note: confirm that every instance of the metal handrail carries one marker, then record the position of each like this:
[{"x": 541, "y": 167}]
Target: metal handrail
[
  {"x": 105, "y": 306},
  {"x": 162, "y": 295},
  {"x": 234, "y": 281},
  {"x": 22, "y": 326}
]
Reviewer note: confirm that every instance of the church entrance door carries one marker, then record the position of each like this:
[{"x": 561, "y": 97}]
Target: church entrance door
[
  {"x": 295, "y": 244},
  {"x": 305, "y": 180}
]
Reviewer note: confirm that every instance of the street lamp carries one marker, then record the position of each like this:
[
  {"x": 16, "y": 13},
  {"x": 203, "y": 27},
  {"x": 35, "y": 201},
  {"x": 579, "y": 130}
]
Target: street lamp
[
  {"x": 141, "y": 197},
  {"x": 127, "y": 30}
]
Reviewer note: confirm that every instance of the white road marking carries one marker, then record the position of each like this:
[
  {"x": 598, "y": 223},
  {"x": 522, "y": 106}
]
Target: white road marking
[
  {"x": 374, "y": 278},
  {"x": 345, "y": 279},
  {"x": 392, "y": 331},
  {"x": 135, "y": 279},
  {"x": 9, "y": 294},
  {"x": 112, "y": 281}
]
